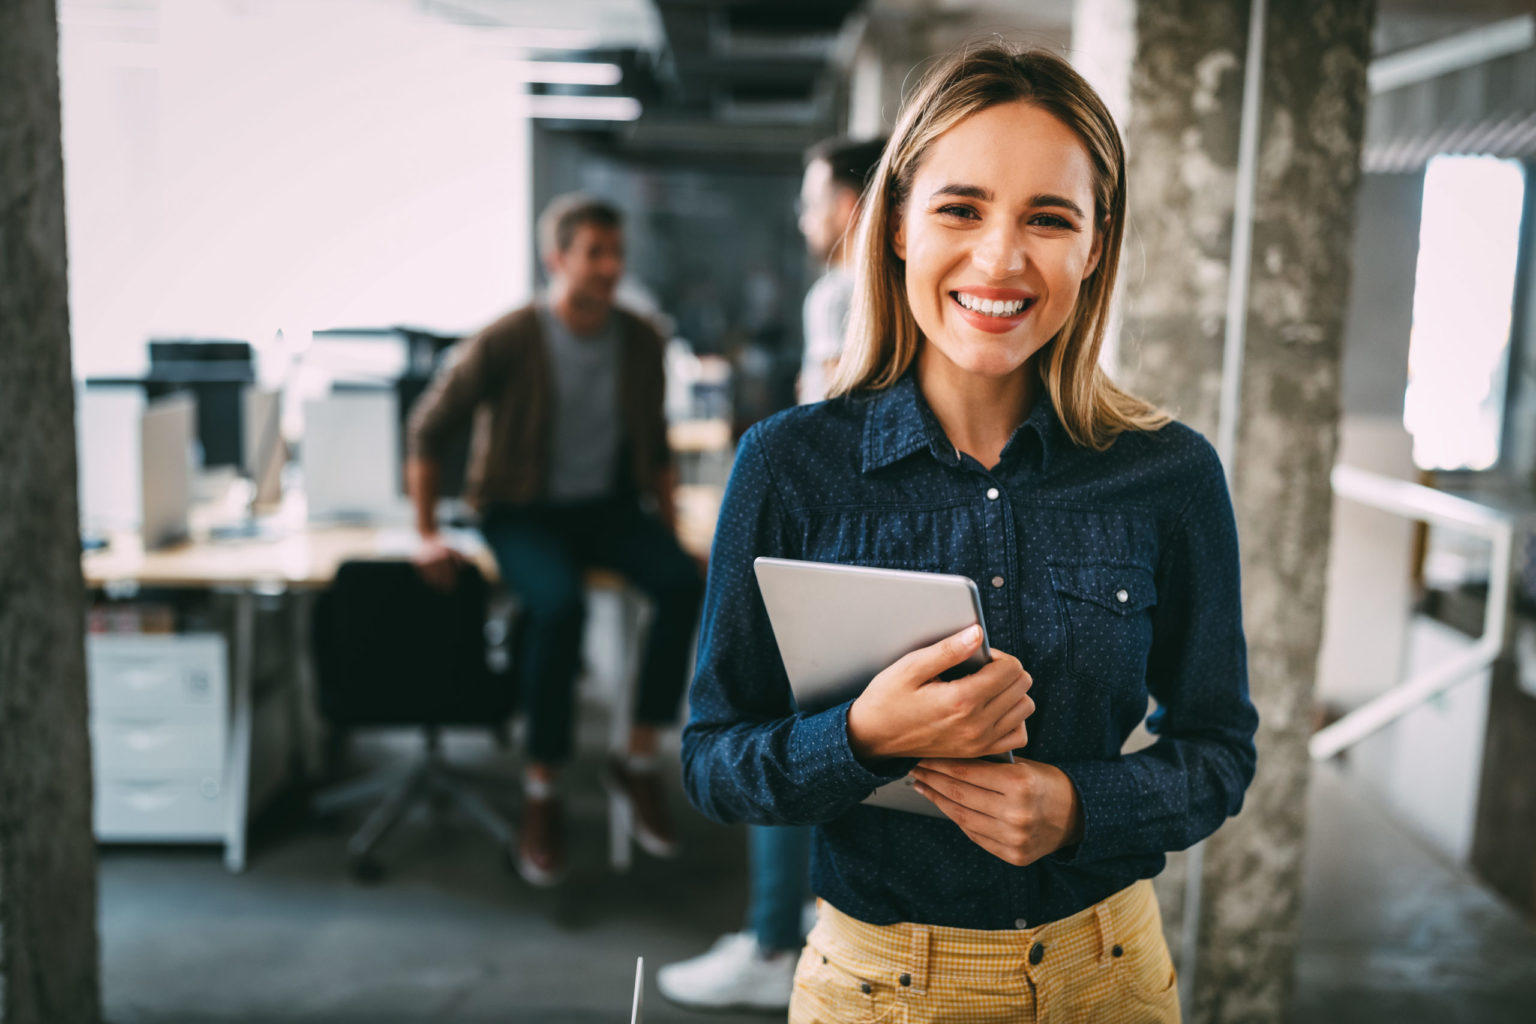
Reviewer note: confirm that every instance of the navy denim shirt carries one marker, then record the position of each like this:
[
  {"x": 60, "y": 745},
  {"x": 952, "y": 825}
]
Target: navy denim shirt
[{"x": 1110, "y": 575}]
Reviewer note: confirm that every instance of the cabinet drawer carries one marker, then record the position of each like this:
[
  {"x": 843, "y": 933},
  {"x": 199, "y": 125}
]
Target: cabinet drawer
[
  {"x": 186, "y": 670},
  {"x": 147, "y": 810},
  {"x": 128, "y": 745}
]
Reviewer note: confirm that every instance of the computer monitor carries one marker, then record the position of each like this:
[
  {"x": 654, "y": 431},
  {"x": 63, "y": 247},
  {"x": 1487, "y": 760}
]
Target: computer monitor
[
  {"x": 217, "y": 372},
  {"x": 351, "y": 457},
  {"x": 166, "y": 431},
  {"x": 107, "y": 421}
]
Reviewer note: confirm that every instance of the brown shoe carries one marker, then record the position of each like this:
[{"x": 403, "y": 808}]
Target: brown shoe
[
  {"x": 541, "y": 842},
  {"x": 652, "y": 825}
]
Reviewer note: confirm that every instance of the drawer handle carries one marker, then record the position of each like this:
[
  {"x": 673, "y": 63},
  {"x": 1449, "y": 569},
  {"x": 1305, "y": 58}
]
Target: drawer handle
[
  {"x": 150, "y": 797},
  {"x": 141, "y": 740}
]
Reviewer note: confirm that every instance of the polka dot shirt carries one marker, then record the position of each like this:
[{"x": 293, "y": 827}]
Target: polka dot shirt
[{"x": 1112, "y": 576}]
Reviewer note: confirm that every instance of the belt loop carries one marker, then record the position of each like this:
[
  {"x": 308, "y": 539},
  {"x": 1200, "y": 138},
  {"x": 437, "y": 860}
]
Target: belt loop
[
  {"x": 918, "y": 956},
  {"x": 1106, "y": 921}
]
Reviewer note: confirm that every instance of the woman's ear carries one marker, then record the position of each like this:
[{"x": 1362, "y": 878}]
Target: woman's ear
[{"x": 899, "y": 236}]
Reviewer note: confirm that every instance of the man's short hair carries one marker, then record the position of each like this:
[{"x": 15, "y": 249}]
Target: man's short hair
[
  {"x": 851, "y": 160},
  {"x": 565, "y": 214}
]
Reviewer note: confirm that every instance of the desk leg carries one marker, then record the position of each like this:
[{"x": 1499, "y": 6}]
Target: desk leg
[
  {"x": 237, "y": 763},
  {"x": 301, "y": 709}
]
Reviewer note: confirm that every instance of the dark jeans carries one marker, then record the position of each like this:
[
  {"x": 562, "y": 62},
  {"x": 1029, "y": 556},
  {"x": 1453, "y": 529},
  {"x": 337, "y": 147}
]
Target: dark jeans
[
  {"x": 781, "y": 861},
  {"x": 542, "y": 551}
]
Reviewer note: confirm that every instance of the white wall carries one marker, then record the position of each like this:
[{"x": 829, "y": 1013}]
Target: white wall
[{"x": 235, "y": 169}]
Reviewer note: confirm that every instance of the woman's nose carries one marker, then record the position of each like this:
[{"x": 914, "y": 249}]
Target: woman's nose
[{"x": 1000, "y": 252}]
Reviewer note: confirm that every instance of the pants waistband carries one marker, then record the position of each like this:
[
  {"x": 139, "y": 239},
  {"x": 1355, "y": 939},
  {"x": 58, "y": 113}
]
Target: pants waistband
[{"x": 918, "y": 952}]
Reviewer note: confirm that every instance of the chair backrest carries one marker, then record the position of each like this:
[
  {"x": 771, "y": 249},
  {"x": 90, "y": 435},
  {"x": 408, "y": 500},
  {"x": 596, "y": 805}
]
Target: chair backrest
[{"x": 390, "y": 649}]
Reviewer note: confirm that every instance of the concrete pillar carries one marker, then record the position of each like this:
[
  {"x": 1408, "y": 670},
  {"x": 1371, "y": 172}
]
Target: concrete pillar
[
  {"x": 1183, "y": 134},
  {"x": 48, "y": 946}
]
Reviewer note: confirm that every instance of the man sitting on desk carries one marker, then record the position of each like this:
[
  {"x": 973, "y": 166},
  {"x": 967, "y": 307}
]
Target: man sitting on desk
[{"x": 569, "y": 446}]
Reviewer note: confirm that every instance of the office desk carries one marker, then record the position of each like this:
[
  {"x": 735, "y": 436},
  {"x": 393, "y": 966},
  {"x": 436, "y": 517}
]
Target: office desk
[{"x": 296, "y": 562}]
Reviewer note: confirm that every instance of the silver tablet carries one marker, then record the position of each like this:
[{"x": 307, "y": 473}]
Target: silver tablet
[{"x": 839, "y": 626}]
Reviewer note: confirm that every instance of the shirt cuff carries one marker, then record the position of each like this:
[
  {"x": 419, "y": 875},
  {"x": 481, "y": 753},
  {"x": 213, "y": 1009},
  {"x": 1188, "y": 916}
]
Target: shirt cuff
[
  {"x": 1101, "y": 787},
  {"x": 824, "y": 761}
]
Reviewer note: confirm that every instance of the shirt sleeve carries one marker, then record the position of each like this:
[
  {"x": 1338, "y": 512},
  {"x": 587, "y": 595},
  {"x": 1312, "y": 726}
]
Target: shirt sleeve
[
  {"x": 657, "y": 399},
  {"x": 1179, "y": 790},
  {"x": 748, "y": 755},
  {"x": 445, "y": 408}
]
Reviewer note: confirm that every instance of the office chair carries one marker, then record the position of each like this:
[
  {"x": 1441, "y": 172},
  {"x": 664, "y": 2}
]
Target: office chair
[{"x": 389, "y": 651}]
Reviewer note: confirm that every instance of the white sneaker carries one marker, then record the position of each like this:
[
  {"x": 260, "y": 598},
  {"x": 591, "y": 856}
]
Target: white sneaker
[{"x": 734, "y": 975}]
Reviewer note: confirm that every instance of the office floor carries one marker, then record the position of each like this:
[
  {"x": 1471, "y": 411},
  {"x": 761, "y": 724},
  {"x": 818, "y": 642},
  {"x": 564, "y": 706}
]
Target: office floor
[{"x": 1389, "y": 934}]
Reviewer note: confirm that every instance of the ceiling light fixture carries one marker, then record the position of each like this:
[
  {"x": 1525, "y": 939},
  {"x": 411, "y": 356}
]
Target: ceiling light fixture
[
  {"x": 584, "y": 108},
  {"x": 566, "y": 72}
]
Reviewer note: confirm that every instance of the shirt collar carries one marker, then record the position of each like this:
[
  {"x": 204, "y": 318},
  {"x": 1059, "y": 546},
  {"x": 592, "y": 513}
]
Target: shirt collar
[{"x": 899, "y": 422}]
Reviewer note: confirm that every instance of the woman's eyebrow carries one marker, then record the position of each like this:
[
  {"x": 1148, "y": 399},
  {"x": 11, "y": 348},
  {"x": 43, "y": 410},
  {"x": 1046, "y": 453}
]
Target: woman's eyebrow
[
  {"x": 985, "y": 195},
  {"x": 963, "y": 191},
  {"x": 1047, "y": 199}
]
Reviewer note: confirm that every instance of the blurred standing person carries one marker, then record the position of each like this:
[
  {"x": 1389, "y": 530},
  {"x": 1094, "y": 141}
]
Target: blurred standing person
[
  {"x": 570, "y": 446},
  {"x": 755, "y": 968},
  {"x": 835, "y": 172}
]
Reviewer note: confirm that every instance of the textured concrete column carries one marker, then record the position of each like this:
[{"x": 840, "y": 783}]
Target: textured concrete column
[
  {"x": 1186, "y": 98},
  {"x": 48, "y": 948}
]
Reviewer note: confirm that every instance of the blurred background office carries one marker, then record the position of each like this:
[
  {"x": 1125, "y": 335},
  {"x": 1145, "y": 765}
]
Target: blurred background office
[{"x": 280, "y": 217}]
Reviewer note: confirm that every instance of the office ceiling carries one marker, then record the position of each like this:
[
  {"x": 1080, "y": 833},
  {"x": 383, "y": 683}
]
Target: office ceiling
[{"x": 749, "y": 77}]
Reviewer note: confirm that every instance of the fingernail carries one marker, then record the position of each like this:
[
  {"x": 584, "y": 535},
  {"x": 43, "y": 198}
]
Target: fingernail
[{"x": 973, "y": 634}]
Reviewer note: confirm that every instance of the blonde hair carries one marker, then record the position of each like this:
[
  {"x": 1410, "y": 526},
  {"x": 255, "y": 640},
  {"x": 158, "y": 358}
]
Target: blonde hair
[{"x": 883, "y": 337}]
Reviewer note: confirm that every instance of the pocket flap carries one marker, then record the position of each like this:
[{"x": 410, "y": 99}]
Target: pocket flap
[{"x": 1123, "y": 589}]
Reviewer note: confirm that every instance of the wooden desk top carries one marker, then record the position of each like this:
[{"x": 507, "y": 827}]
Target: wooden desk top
[{"x": 307, "y": 556}]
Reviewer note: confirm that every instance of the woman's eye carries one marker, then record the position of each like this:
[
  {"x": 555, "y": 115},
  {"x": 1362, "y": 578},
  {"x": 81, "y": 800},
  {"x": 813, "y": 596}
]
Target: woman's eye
[
  {"x": 954, "y": 210},
  {"x": 1051, "y": 220}
]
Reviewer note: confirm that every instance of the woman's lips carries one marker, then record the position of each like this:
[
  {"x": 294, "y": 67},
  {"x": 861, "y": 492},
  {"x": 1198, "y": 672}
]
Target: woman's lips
[{"x": 989, "y": 323}]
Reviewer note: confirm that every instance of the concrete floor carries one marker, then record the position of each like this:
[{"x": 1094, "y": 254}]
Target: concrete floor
[{"x": 1389, "y": 933}]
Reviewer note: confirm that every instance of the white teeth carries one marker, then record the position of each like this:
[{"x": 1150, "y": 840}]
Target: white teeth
[{"x": 990, "y": 307}]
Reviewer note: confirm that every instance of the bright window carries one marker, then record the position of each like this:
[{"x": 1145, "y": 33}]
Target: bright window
[
  {"x": 1463, "y": 296},
  {"x": 232, "y": 169}
]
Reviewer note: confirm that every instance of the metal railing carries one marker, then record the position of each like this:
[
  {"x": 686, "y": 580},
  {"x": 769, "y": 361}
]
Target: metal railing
[{"x": 1426, "y": 505}]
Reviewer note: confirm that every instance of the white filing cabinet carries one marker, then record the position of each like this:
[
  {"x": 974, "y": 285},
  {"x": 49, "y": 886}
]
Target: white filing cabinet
[{"x": 159, "y": 734}]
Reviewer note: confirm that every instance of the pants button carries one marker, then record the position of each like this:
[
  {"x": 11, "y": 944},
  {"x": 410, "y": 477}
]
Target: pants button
[
  {"x": 905, "y": 979},
  {"x": 1036, "y": 953},
  {"x": 864, "y": 987}
]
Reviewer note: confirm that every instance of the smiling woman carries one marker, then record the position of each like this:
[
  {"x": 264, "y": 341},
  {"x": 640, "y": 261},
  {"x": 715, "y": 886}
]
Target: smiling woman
[{"x": 973, "y": 432}]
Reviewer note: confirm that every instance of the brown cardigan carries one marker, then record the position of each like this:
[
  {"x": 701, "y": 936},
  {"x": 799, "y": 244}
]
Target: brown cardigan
[{"x": 501, "y": 378}]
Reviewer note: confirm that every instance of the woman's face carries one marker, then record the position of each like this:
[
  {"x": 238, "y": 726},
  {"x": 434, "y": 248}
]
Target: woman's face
[{"x": 998, "y": 234}]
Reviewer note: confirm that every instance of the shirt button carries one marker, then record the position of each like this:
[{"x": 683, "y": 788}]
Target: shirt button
[
  {"x": 991, "y": 493},
  {"x": 1122, "y": 595},
  {"x": 1020, "y": 923},
  {"x": 997, "y": 581}
]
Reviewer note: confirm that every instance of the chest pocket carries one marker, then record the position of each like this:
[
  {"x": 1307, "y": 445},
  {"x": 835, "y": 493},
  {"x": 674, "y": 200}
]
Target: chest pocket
[{"x": 1107, "y": 611}]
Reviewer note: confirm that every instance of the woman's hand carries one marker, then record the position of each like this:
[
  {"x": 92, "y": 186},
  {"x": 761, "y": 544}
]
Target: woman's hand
[
  {"x": 906, "y": 711},
  {"x": 1019, "y": 812}
]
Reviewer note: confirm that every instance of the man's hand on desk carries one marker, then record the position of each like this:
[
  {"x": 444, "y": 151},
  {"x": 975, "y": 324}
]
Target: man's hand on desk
[{"x": 437, "y": 562}]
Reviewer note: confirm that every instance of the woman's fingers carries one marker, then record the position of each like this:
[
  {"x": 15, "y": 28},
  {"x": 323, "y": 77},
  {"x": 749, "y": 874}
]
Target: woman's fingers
[
  {"x": 973, "y": 821},
  {"x": 1011, "y": 728},
  {"x": 925, "y": 663}
]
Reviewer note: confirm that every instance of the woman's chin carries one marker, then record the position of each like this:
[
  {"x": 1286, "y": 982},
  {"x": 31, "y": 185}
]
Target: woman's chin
[{"x": 989, "y": 363}]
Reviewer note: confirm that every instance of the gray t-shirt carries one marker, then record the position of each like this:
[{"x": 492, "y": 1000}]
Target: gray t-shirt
[{"x": 586, "y": 409}]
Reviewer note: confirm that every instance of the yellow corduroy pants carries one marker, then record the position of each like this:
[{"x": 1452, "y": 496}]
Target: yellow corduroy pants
[{"x": 1108, "y": 964}]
